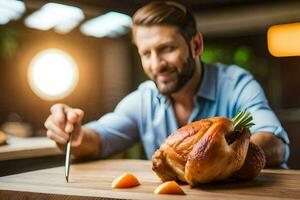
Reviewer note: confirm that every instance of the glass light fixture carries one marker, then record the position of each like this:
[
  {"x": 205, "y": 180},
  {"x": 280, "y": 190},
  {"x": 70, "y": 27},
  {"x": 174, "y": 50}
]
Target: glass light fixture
[
  {"x": 11, "y": 10},
  {"x": 62, "y": 18},
  {"x": 111, "y": 24}
]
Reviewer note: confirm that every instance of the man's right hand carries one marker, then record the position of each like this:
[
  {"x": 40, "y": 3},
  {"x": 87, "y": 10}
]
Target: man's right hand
[{"x": 62, "y": 121}]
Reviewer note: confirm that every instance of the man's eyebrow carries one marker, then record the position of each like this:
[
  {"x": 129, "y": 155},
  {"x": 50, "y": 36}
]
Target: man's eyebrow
[{"x": 166, "y": 44}]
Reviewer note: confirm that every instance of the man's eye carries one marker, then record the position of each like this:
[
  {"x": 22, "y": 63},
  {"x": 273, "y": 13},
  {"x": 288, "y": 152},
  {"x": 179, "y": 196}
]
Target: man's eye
[
  {"x": 146, "y": 54},
  {"x": 168, "y": 48}
]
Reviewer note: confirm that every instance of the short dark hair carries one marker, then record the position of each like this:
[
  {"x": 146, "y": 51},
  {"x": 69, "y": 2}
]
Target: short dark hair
[{"x": 166, "y": 13}]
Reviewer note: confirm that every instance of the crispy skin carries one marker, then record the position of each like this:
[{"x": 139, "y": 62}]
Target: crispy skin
[
  {"x": 212, "y": 159},
  {"x": 161, "y": 167},
  {"x": 199, "y": 153},
  {"x": 169, "y": 161},
  {"x": 254, "y": 163}
]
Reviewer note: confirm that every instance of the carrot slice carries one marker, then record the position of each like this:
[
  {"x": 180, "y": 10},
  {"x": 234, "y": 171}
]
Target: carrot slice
[
  {"x": 126, "y": 180},
  {"x": 169, "y": 187}
]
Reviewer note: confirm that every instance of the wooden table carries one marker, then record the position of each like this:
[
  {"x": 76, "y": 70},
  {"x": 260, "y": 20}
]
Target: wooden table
[{"x": 93, "y": 181}]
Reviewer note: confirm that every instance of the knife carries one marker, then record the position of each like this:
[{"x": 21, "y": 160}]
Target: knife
[{"x": 68, "y": 159}]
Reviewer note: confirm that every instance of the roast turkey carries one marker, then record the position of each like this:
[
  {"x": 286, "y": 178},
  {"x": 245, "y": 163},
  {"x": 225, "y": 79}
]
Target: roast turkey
[{"x": 209, "y": 150}]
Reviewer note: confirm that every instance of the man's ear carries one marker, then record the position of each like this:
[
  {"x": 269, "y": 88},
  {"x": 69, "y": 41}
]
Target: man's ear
[{"x": 197, "y": 44}]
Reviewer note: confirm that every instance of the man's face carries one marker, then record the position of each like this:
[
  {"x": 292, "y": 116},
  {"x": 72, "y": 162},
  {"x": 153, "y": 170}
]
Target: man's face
[{"x": 165, "y": 57}]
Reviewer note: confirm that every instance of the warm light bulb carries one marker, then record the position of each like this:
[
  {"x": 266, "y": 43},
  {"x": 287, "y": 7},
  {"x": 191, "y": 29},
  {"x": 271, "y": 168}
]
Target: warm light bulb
[
  {"x": 52, "y": 74},
  {"x": 284, "y": 40}
]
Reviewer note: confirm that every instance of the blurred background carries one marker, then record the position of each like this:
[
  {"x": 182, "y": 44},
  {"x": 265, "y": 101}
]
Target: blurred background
[{"x": 100, "y": 65}]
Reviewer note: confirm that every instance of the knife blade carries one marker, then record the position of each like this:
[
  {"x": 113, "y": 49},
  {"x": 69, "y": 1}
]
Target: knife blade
[{"x": 68, "y": 158}]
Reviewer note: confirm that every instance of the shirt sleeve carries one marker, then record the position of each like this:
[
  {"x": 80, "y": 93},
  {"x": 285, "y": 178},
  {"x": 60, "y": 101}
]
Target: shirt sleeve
[
  {"x": 118, "y": 129},
  {"x": 250, "y": 96}
]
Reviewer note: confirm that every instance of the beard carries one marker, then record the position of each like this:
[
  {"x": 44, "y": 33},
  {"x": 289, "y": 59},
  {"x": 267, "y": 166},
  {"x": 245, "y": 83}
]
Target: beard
[{"x": 179, "y": 77}]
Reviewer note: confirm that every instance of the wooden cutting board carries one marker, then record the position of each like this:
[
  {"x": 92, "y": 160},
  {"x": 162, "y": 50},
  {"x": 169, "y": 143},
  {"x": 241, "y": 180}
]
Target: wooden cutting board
[{"x": 93, "y": 181}]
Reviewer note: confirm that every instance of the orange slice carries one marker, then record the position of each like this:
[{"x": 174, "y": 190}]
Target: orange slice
[
  {"x": 169, "y": 187},
  {"x": 126, "y": 180}
]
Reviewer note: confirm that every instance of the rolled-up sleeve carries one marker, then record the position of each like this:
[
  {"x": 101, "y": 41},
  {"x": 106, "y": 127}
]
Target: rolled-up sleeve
[
  {"x": 118, "y": 129},
  {"x": 251, "y": 97}
]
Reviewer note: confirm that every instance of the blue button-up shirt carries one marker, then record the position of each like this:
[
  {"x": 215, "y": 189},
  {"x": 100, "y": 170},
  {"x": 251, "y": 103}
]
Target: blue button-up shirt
[{"x": 147, "y": 115}]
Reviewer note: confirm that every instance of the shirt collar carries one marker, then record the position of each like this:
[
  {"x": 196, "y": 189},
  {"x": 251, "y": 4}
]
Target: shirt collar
[{"x": 208, "y": 86}]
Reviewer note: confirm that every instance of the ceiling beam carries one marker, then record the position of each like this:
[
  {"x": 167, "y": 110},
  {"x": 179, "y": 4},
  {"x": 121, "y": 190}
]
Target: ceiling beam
[
  {"x": 248, "y": 19},
  {"x": 90, "y": 11}
]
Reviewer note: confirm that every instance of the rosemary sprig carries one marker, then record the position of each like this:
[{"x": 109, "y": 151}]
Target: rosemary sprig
[{"x": 242, "y": 119}]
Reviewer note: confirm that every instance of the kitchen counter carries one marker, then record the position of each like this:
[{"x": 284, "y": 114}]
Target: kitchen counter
[
  {"x": 19, "y": 148},
  {"x": 27, "y": 154},
  {"x": 92, "y": 180}
]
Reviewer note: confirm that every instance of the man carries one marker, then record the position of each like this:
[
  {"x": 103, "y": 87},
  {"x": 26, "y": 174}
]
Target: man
[{"x": 182, "y": 89}]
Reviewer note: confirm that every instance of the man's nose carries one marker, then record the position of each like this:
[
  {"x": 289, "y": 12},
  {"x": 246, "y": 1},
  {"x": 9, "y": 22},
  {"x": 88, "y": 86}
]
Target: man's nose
[{"x": 157, "y": 63}]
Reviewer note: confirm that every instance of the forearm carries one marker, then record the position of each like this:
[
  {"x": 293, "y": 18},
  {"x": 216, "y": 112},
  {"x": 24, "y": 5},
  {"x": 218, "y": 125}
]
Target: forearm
[
  {"x": 272, "y": 146},
  {"x": 89, "y": 148}
]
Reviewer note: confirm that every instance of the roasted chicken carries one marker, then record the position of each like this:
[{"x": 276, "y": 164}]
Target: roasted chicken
[{"x": 208, "y": 150}]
